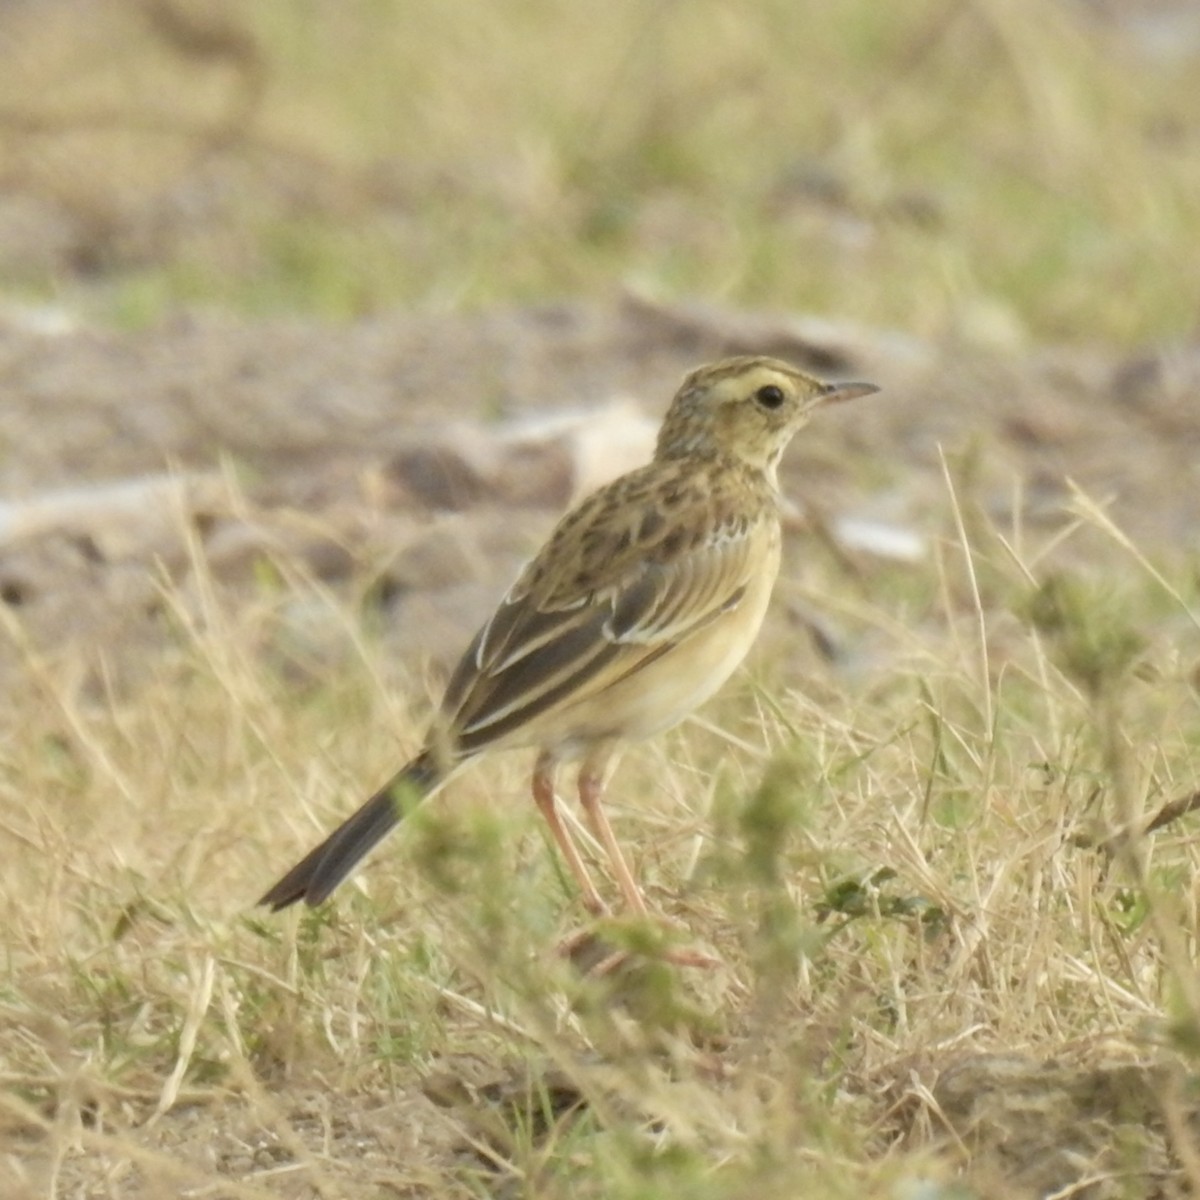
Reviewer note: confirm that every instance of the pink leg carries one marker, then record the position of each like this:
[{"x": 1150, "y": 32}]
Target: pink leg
[
  {"x": 591, "y": 788},
  {"x": 547, "y": 802}
]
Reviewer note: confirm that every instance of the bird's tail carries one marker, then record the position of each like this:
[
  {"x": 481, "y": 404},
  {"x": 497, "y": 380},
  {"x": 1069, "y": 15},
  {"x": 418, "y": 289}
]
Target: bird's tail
[{"x": 322, "y": 869}]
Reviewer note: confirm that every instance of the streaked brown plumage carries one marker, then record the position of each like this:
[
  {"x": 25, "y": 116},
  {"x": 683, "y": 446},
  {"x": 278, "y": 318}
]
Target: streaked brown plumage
[{"x": 641, "y": 604}]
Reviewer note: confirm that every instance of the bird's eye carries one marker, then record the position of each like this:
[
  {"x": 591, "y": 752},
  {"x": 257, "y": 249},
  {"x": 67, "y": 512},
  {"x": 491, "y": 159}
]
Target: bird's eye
[{"x": 769, "y": 396}]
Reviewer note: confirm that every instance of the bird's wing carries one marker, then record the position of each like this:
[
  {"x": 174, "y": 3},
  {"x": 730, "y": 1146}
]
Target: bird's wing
[{"x": 625, "y": 578}]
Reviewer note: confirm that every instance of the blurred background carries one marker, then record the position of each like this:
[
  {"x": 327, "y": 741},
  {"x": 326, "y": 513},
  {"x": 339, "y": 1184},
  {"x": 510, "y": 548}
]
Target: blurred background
[{"x": 991, "y": 169}]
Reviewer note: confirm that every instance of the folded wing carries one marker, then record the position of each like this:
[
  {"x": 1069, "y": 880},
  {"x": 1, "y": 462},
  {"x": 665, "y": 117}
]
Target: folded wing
[{"x": 614, "y": 590}]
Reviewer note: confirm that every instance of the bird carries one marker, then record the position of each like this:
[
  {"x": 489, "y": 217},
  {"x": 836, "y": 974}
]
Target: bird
[{"x": 643, "y": 601}]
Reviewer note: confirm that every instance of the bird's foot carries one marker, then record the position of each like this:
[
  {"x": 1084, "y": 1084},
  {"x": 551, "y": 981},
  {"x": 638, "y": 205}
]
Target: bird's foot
[{"x": 607, "y": 946}]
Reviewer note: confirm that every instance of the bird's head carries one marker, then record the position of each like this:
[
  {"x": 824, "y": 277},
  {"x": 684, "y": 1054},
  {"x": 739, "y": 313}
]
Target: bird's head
[{"x": 746, "y": 408}]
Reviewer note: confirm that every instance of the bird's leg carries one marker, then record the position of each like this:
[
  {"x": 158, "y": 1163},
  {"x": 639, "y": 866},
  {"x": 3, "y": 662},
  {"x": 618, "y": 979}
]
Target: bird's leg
[
  {"x": 547, "y": 802},
  {"x": 591, "y": 791}
]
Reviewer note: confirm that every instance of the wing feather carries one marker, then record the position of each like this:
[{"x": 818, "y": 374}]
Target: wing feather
[
  {"x": 554, "y": 657},
  {"x": 615, "y": 588}
]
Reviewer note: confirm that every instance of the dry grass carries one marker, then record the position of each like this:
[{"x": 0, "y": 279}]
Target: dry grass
[{"x": 898, "y": 865}]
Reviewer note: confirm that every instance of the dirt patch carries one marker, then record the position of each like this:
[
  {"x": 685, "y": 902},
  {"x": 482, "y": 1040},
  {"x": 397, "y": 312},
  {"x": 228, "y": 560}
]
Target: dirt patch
[{"x": 336, "y": 452}]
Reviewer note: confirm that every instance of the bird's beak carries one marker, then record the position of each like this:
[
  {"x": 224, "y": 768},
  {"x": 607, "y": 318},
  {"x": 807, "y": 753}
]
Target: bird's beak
[{"x": 835, "y": 393}]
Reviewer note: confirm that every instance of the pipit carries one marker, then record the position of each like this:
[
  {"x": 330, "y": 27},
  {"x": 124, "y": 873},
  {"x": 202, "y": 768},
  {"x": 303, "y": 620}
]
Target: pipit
[{"x": 644, "y": 600}]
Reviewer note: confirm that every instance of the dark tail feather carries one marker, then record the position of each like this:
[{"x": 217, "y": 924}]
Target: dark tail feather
[{"x": 322, "y": 869}]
